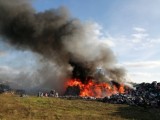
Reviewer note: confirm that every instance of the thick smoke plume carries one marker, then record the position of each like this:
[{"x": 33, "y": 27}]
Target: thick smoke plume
[{"x": 70, "y": 45}]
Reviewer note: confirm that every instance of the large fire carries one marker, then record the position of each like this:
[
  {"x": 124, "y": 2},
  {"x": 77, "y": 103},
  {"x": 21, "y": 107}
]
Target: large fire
[{"x": 94, "y": 89}]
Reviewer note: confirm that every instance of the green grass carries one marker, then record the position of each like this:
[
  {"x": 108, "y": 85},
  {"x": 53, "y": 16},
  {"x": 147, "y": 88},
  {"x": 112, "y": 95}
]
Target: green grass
[{"x": 35, "y": 108}]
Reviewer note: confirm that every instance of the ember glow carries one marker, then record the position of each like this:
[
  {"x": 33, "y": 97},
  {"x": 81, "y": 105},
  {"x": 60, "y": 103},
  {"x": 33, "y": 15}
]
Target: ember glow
[{"x": 94, "y": 89}]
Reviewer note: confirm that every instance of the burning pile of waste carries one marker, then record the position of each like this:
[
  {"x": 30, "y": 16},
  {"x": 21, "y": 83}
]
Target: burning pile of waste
[
  {"x": 69, "y": 54},
  {"x": 144, "y": 94},
  {"x": 73, "y": 48},
  {"x": 92, "y": 88}
]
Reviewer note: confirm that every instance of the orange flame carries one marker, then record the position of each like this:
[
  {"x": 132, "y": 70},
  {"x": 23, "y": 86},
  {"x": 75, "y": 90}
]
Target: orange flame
[{"x": 94, "y": 89}]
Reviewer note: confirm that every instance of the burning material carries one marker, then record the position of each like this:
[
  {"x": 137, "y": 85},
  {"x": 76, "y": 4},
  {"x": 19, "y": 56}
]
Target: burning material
[
  {"x": 86, "y": 82},
  {"x": 74, "y": 49},
  {"x": 92, "y": 88},
  {"x": 144, "y": 94}
]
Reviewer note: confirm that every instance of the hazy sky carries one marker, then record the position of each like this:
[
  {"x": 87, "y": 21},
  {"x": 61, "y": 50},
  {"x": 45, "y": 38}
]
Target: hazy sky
[{"x": 130, "y": 27}]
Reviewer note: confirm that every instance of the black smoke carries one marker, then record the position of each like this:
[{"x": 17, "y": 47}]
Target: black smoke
[{"x": 58, "y": 38}]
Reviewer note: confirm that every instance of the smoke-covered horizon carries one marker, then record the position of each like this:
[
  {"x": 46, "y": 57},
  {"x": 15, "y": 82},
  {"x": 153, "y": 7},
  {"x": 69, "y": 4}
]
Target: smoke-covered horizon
[{"x": 60, "y": 40}]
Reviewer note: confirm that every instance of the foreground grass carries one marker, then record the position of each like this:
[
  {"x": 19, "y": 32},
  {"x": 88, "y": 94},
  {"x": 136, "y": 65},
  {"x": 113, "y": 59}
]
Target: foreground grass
[{"x": 34, "y": 108}]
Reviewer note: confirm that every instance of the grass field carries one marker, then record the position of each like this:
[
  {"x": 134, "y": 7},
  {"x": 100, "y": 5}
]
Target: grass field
[{"x": 35, "y": 108}]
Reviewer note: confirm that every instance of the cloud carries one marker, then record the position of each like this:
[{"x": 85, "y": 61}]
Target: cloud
[
  {"x": 143, "y": 71},
  {"x": 97, "y": 29},
  {"x": 144, "y": 77},
  {"x": 139, "y": 53},
  {"x": 139, "y": 29},
  {"x": 139, "y": 44},
  {"x": 140, "y": 35},
  {"x": 146, "y": 64}
]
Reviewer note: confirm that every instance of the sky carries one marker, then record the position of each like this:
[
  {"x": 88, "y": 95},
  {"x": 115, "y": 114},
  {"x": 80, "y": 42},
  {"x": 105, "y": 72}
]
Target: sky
[{"x": 131, "y": 29}]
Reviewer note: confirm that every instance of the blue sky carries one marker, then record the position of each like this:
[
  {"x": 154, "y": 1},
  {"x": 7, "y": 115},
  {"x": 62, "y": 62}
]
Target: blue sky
[{"x": 131, "y": 27}]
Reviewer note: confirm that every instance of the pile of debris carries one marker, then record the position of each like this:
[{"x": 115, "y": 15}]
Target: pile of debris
[{"x": 144, "y": 94}]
